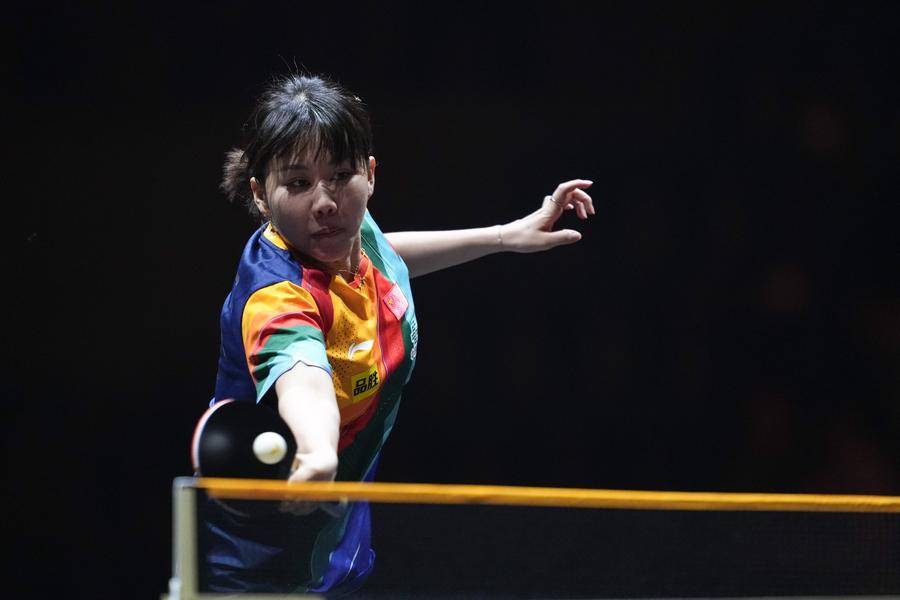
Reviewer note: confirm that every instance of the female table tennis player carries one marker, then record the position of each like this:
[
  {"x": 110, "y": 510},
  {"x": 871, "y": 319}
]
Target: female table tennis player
[{"x": 321, "y": 325}]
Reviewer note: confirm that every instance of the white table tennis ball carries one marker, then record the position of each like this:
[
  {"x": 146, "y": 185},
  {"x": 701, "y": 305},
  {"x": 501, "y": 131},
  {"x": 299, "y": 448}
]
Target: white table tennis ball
[{"x": 269, "y": 447}]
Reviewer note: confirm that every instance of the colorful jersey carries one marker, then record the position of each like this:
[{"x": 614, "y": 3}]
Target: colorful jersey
[{"x": 364, "y": 334}]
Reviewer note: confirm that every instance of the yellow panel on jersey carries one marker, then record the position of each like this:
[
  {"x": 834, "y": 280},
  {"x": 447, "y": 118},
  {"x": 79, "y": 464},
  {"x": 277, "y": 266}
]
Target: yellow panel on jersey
[{"x": 353, "y": 347}]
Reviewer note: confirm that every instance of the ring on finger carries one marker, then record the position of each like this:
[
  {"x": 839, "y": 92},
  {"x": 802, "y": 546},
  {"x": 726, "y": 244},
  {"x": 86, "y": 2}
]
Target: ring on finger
[{"x": 554, "y": 201}]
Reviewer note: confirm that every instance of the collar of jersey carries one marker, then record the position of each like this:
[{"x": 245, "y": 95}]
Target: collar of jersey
[{"x": 275, "y": 237}]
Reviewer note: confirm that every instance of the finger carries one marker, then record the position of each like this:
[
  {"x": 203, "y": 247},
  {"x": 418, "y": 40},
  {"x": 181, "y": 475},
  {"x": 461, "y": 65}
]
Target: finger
[
  {"x": 554, "y": 205},
  {"x": 577, "y": 202},
  {"x": 565, "y": 188},
  {"x": 587, "y": 200},
  {"x": 562, "y": 237},
  {"x": 582, "y": 212}
]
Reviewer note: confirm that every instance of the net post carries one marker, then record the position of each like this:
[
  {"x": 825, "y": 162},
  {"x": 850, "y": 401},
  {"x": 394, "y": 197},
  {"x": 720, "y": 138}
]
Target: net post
[{"x": 183, "y": 583}]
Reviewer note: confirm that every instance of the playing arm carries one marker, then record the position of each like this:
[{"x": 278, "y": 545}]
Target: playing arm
[{"x": 307, "y": 403}]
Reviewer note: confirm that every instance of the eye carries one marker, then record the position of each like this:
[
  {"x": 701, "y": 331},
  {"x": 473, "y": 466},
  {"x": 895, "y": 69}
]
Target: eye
[
  {"x": 298, "y": 184},
  {"x": 343, "y": 175}
]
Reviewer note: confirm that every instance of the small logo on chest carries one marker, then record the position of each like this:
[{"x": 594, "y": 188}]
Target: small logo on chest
[{"x": 360, "y": 347}]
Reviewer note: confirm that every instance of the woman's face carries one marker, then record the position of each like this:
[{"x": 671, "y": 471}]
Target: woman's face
[{"x": 316, "y": 206}]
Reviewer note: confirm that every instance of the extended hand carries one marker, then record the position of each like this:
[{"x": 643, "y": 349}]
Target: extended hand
[
  {"x": 534, "y": 232},
  {"x": 313, "y": 468},
  {"x": 300, "y": 507}
]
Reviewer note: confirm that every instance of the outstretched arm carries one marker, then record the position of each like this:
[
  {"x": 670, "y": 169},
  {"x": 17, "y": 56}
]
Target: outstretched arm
[
  {"x": 307, "y": 403},
  {"x": 428, "y": 251}
]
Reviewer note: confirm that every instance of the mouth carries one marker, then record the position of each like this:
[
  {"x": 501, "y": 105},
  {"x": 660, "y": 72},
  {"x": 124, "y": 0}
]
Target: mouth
[{"x": 326, "y": 233}]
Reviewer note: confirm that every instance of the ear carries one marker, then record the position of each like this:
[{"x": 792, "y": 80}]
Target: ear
[
  {"x": 371, "y": 175},
  {"x": 259, "y": 197}
]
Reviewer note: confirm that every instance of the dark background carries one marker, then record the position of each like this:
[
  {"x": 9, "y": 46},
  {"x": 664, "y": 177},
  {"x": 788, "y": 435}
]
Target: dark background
[{"x": 730, "y": 320}]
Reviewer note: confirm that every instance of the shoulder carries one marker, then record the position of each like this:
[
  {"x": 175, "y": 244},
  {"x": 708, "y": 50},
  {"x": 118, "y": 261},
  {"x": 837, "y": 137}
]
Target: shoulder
[
  {"x": 270, "y": 281},
  {"x": 267, "y": 262},
  {"x": 264, "y": 262},
  {"x": 289, "y": 301},
  {"x": 282, "y": 296},
  {"x": 380, "y": 250}
]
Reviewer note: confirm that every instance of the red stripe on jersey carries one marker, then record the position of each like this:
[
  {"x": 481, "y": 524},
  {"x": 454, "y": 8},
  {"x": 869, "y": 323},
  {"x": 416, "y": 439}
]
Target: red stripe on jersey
[
  {"x": 390, "y": 331},
  {"x": 349, "y": 431},
  {"x": 316, "y": 282}
]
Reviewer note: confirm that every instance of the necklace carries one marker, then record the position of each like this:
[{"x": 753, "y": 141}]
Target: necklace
[
  {"x": 354, "y": 274},
  {"x": 350, "y": 276}
]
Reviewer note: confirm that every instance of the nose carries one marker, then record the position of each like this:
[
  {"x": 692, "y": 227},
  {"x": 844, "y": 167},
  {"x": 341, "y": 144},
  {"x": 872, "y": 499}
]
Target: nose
[{"x": 324, "y": 203}]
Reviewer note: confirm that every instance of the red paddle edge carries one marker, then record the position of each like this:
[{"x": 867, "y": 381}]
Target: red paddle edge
[{"x": 198, "y": 432}]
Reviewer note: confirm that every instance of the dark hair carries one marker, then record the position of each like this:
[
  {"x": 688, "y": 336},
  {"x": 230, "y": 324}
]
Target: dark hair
[{"x": 296, "y": 112}]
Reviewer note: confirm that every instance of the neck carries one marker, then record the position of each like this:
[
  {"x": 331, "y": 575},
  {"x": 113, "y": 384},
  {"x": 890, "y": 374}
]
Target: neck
[{"x": 348, "y": 266}]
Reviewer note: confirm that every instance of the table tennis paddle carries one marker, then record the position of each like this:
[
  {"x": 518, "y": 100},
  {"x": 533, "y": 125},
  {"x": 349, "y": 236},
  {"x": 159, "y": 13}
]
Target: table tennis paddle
[{"x": 242, "y": 440}]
